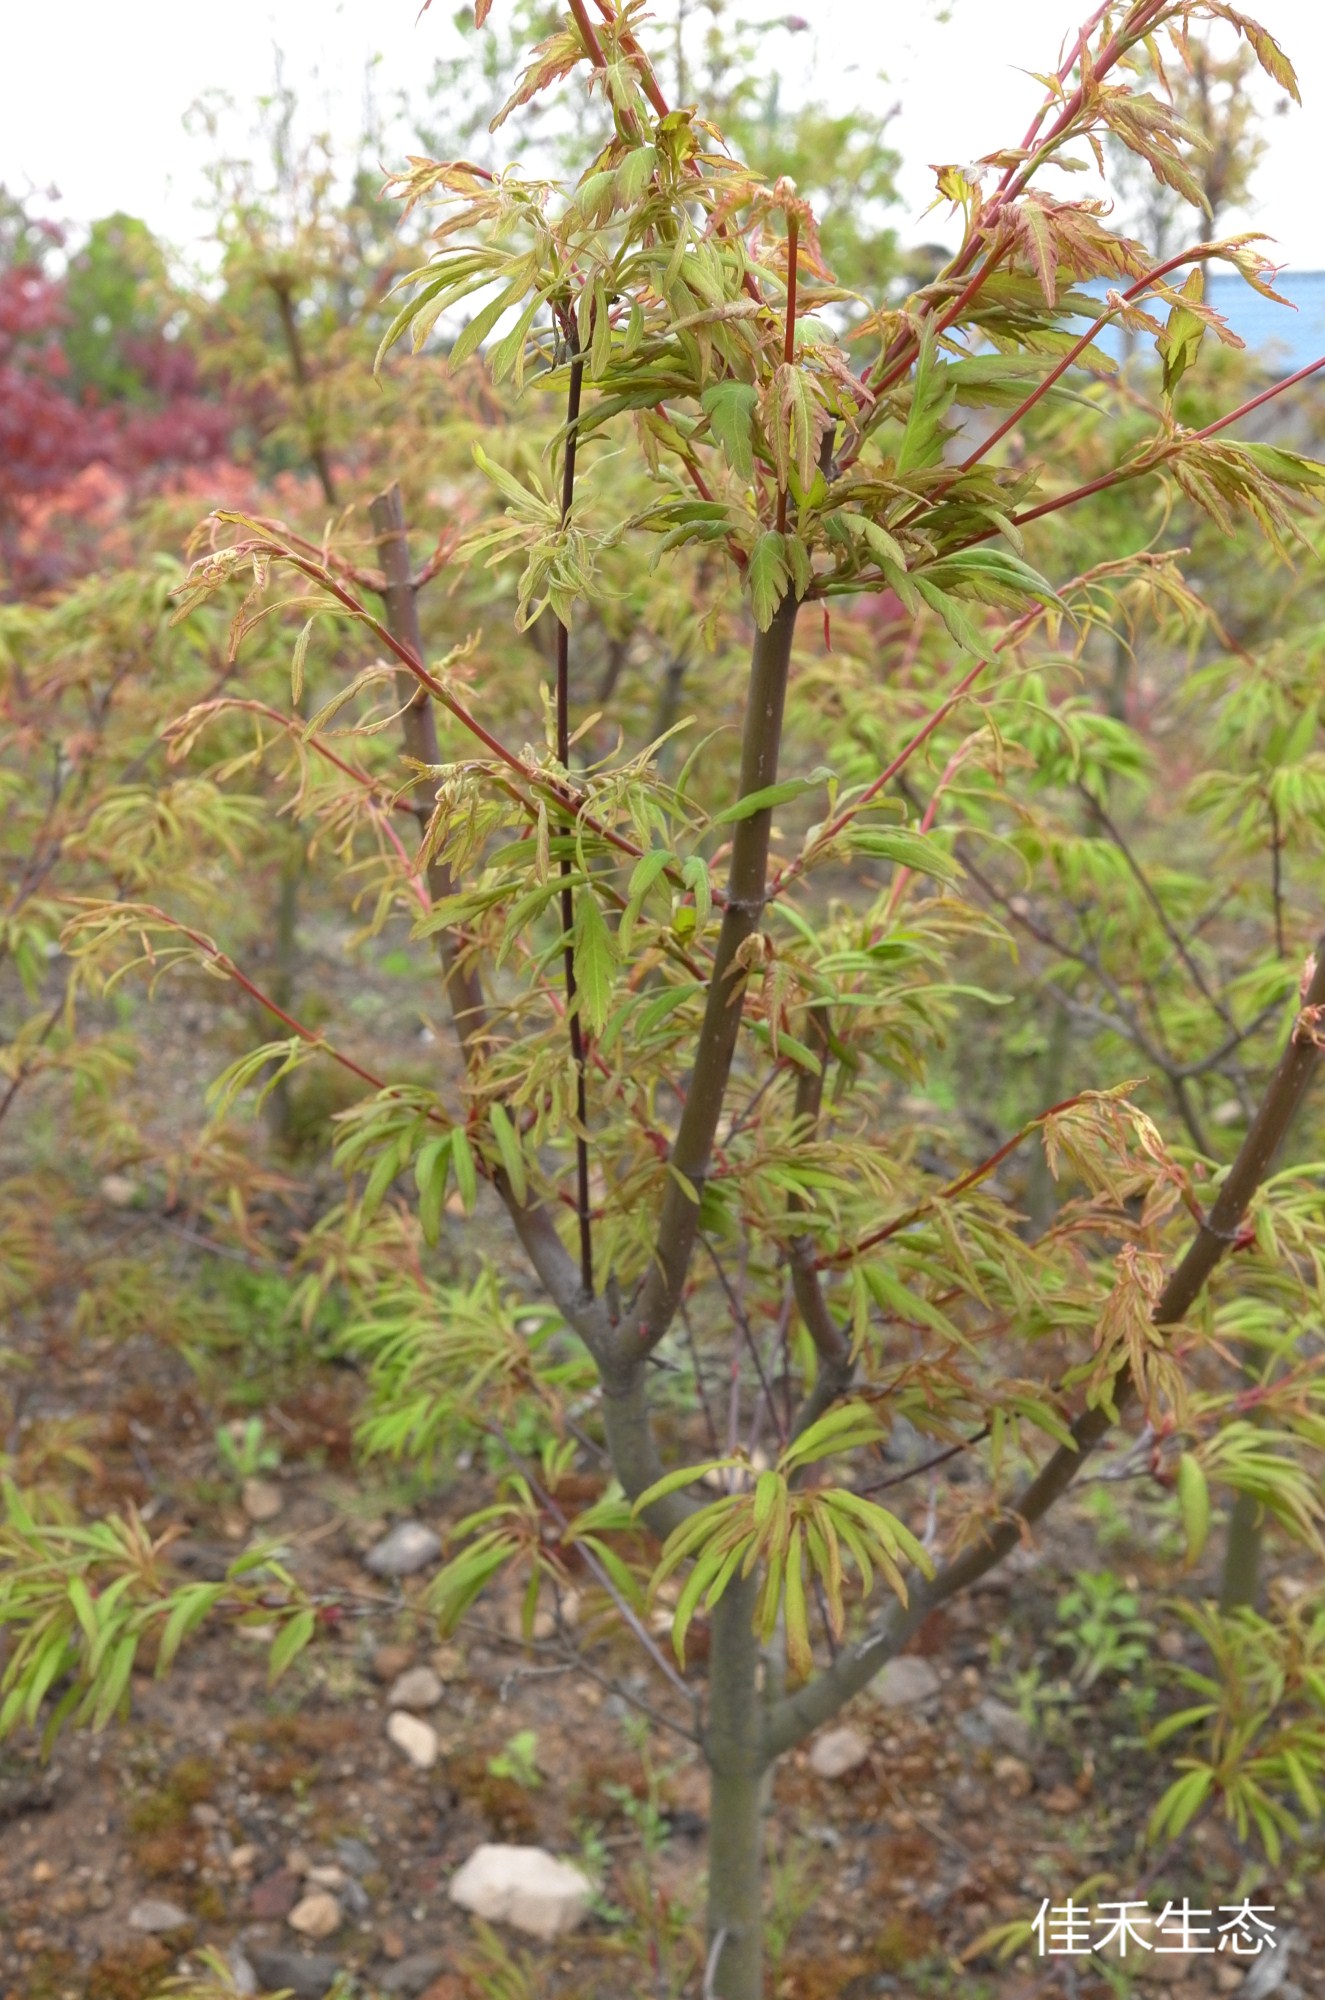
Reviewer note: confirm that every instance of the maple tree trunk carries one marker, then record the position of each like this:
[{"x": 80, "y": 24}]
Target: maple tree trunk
[{"x": 734, "y": 1967}]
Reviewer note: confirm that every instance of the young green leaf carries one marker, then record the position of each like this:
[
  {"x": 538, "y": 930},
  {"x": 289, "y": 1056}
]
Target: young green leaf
[{"x": 595, "y": 961}]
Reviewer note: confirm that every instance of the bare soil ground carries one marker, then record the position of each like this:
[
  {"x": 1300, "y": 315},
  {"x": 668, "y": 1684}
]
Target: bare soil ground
[{"x": 219, "y": 1795}]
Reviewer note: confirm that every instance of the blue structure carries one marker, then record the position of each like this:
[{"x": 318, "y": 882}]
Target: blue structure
[
  {"x": 1283, "y": 341},
  {"x": 1279, "y": 339}
]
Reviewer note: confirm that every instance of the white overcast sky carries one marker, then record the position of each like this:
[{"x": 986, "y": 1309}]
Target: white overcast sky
[{"x": 93, "y": 92}]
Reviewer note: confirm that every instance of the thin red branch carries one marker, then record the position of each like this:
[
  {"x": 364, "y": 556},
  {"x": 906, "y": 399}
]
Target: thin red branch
[
  {"x": 1197, "y": 254},
  {"x": 950, "y": 1190},
  {"x": 1152, "y": 463}
]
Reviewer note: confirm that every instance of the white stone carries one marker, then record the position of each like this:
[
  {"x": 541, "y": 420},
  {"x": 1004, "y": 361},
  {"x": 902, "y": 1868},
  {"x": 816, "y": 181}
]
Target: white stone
[
  {"x": 325, "y": 1876},
  {"x": 315, "y": 1916},
  {"x": 153, "y": 1914},
  {"x": 906, "y": 1682},
  {"x": 409, "y": 1547},
  {"x": 262, "y": 1500},
  {"x": 119, "y": 1191},
  {"x": 838, "y": 1751},
  {"x": 416, "y": 1740},
  {"x": 417, "y": 1687},
  {"x": 523, "y": 1886}
]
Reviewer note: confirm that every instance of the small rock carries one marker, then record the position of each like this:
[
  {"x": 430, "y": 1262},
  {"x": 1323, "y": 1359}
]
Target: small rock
[
  {"x": 204, "y": 1815},
  {"x": 1013, "y": 1777},
  {"x": 354, "y": 1856},
  {"x": 325, "y": 1876},
  {"x": 316, "y": 1916},
  {"x": 448, "y": 1663},
  {"x": 1228, "y": 1978},
  {"x": 409, "y": 1547},
  {"x": 414, "y": 1973},
  {"x": 415, "y": 1739},
  {"x": 523, "y": 1886},
  {"x": 262, "y": 1499},
  {"x": 393, "y": 1945},
  {"x": 355, "y": 1898},
  {"x": 390, "y": 1662},
  {"x": 243, "y": 1860},
  {"x": 42, "y": 1871},
  {"x": 838, "y": 1751},
  {"x": 275, "y": 1895},
  {"x": 297, "y": 1861},
  {"x": 155, "y": 1915},
  {"x": 119, "y": 1191},
  {"x": 279, "y": 1971},
  {"x": 417, "y": 1688},
  {"x": 545, "y": 1624},
  {"x": 242, "y": 1976},
  {"x": 1007, "y": 1729},
  {"x": 1267, "y": 1970},
  {"x": 906, "y": 1682}
]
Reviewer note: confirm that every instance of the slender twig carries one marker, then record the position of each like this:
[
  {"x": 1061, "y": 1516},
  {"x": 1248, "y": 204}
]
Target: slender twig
[
  {"x": 742, "y": 1321},
  {"x": 573, "y": 1014},
  {"x": 1276, "y": 873},
  {"x": 304, "y": 389},
  {"x": 700, "y": 1385},
  {"x": 1152, "y": 896},
  {"x": 24, "y": 1069},
  {"x": 573, "y": 1658}
]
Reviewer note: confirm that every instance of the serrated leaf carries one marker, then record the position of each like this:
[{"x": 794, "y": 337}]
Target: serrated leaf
[
  {"x": 931, "y": 394},
  {"x": 967, "y": 634},
  {"x": 767, "y": 577},
  {"x": 1180, "y": 342},
  {"x": 595, "y": 960},
  {"x": 730, "y": 408}
]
